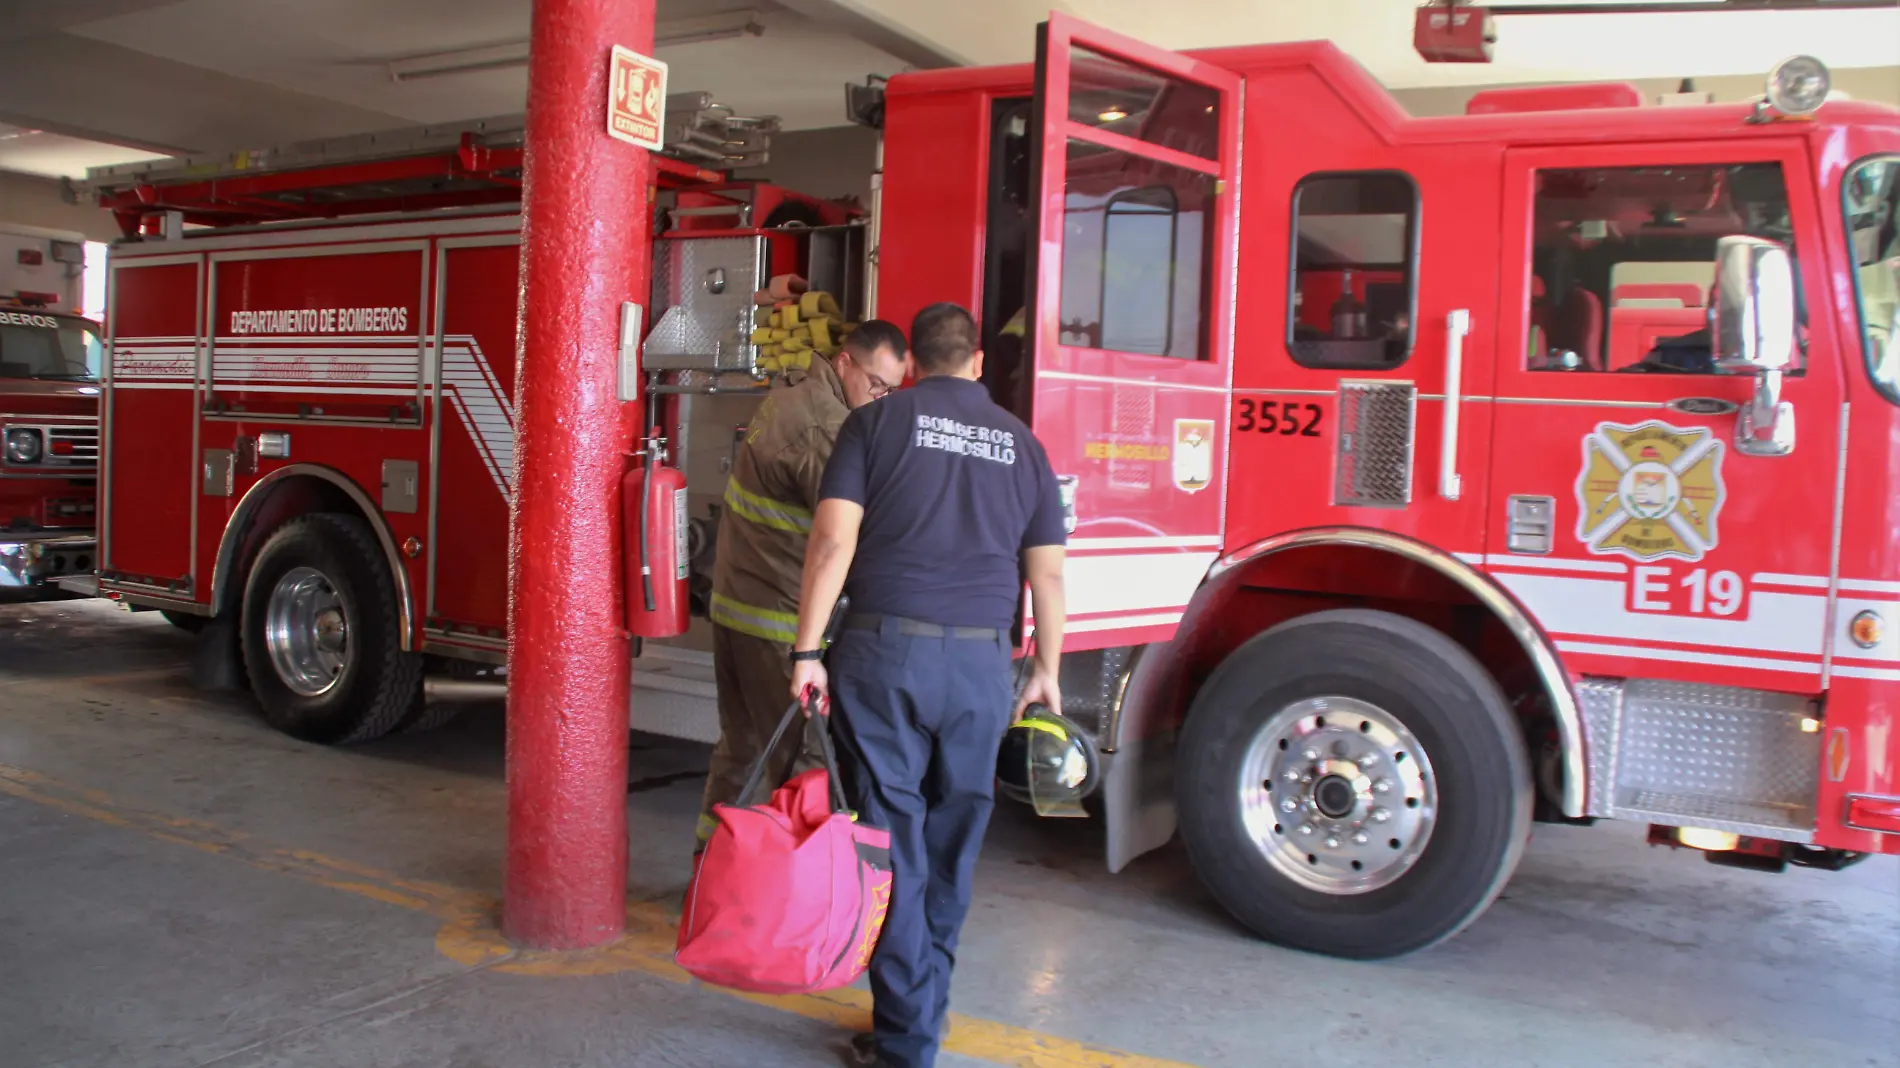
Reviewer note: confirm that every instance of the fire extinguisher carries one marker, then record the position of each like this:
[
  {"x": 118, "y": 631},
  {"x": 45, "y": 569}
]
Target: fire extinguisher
[{"x": 653, "y": 502}]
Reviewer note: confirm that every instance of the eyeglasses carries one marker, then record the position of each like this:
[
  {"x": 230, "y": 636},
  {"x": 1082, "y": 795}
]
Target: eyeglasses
[{"x": 876, "y": 385}]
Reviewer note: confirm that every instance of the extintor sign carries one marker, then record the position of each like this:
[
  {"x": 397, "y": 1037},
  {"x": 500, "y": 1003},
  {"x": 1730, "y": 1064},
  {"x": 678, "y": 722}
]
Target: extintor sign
[{"x": 636, "y": 98}]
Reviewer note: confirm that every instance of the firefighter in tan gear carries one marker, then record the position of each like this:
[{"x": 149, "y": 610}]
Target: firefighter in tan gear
[{"x": 760, "y": 552}]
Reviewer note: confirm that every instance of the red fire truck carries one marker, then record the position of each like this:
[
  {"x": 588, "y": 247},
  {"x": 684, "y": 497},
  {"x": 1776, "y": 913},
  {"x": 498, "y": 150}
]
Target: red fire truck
[
  {"x": 1435, "y": 475},
  {"x": 1428, "y": 476},
  {"x": 310, "y": 418},
  {"x": 49, "y": 409}
]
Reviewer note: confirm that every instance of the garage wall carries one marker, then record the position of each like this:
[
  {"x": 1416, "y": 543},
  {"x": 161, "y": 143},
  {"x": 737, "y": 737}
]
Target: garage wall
[
  {"x": 837, "y": 161},
  {"x": 827, "y": 163},
  {"x": 1877, "y": 84},
  {"x": 30, "y": 200}
]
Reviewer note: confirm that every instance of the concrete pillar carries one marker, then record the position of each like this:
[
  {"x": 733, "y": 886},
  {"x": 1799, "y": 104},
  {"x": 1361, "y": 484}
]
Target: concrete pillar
[{"x": 584, "y": 250}]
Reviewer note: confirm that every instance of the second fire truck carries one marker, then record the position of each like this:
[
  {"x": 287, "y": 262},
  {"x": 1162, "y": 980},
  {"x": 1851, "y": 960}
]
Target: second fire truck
[
  {"x": 50, "y": 363},
  {"x": 1429, "y": 477}
]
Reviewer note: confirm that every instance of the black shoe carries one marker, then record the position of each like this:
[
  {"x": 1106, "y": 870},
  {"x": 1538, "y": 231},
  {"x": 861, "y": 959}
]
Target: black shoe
[{"x": 862, "y": 1051}]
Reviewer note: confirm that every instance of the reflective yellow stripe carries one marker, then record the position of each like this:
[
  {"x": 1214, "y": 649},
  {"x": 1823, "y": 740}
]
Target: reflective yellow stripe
[
  {"x": 758, "y": 622},
  {"x": 765, "y": 511}
]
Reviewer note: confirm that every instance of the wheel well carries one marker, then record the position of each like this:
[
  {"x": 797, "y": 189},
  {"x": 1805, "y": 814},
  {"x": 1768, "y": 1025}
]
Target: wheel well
[
  {"x": 1262, "y": 590},
  {"x": 281, "y": 497}
]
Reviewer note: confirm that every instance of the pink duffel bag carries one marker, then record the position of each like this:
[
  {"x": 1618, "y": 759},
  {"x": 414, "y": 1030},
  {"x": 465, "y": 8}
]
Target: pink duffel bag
[{"x": 789, "y": 895}]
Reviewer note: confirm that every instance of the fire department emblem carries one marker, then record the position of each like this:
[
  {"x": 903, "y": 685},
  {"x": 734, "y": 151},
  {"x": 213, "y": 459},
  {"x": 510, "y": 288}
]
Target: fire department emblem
[
  {"x": 1193, "y": 453},
  {"x": 1650, "y": 491}
]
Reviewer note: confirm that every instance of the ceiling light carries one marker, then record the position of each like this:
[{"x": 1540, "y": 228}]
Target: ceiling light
[
  {"x": 461, "y": 61},
  {"x": 728, "y": 26},
  {"x": 1112, "y": 115}
]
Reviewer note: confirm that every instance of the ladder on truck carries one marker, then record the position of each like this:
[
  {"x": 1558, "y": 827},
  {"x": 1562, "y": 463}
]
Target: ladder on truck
[{"x": 420, "y": 168}]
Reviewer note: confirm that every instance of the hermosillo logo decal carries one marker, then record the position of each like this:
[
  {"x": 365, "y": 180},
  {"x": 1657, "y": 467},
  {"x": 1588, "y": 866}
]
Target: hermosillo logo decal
[
  {"x": 1193, "y": 453},
  {"x": 1650, "y": 491}
]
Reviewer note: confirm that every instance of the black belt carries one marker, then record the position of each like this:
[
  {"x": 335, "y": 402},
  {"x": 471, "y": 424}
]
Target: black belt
[{"x": 865, "y": 621}]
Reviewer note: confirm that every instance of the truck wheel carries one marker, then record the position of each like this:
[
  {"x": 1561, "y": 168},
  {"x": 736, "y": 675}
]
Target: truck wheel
[
  {"x": 1352, "y": 783},
  {"x": 185, "y": 621},
  {"x": 321, "y": 633}
]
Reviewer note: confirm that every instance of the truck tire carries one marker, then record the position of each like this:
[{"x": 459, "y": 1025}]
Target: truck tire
[
  {"x": 1353, "y": 783},
  {"x": 185, "y": 621},
  {"x": 429, "y": 715},
  {"x": 322, "y": 633}
]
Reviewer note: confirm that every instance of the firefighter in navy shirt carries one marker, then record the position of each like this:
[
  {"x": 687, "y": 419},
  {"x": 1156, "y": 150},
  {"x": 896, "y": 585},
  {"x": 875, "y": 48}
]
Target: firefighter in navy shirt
[{"x": 935, "y": 506}]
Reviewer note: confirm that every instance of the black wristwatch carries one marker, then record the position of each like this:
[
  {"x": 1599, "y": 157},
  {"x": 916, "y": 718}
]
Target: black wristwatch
[{"x": 807, "y": 654}]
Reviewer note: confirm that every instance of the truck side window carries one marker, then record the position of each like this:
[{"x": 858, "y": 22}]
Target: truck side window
[
  {"x": 1872, "y": 195},
  {"x": 1354, "y": 250},
  {"x": 1136, "y": 243},
  {"x": 1623, "y": 262}
]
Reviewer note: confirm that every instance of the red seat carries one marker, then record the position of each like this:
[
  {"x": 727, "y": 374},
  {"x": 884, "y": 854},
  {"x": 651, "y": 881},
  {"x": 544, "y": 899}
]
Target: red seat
[
  {"x": 1575, "y": 326},
  {"x": 1635, "y": 328},
  {"x": 1686, "y": 294}
]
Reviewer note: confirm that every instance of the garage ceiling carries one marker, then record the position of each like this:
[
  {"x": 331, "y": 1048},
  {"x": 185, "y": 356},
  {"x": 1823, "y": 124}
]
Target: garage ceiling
[{"x": 85, "y": 82}]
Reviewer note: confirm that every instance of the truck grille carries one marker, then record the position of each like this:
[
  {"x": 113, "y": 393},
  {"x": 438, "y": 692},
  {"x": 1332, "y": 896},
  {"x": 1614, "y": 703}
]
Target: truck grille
[
  {"x": 73, "y": 445},
  {"x": 1374, "y": 466}
]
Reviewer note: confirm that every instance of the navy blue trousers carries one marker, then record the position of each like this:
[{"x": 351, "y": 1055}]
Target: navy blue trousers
[{"x": 918, "y": 722}]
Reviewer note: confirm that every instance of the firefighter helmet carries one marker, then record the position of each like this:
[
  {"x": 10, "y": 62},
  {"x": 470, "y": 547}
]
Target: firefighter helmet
[{"x": 1048, "y": 762}]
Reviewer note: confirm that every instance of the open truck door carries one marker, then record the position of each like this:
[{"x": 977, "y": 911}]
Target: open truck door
[{"x": 1131, "y": 329}]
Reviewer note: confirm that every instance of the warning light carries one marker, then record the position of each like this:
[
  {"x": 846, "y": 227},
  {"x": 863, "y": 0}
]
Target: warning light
[
  {"x": 1867, "y": 629},
  {"x": 1707, "y": 840}
]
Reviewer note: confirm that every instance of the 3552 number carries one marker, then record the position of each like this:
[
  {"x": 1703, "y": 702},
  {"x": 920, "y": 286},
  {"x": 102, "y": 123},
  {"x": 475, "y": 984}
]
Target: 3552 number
[{"x": 1285, "y": 418}]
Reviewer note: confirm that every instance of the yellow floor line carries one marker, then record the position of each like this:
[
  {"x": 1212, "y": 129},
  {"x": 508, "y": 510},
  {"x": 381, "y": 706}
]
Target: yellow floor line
[
  {"x": 469, "y": 936},
  {"x": 7, "y": 678}
]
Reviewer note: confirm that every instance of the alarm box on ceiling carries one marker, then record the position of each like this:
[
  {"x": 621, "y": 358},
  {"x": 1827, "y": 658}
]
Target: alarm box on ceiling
[{"x": 1454, "y": 33}]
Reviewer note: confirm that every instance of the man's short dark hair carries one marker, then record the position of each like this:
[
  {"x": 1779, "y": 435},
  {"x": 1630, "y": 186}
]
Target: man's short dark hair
[
  {"x": 874, "y": 334},
  {"x": 942, "y": 338}
]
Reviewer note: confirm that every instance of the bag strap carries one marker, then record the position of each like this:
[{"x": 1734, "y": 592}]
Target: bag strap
[
  {"x": 754, "y": 780},
  {"x": 748, "y": 794},
  {"x": 823, "y": 725}
]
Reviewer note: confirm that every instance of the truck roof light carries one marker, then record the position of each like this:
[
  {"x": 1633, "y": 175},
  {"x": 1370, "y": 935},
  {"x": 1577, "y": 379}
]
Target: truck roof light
[{"x": 1798, "y": 85}]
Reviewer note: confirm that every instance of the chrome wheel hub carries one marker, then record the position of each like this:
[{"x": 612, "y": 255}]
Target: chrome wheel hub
[
  {"x": 1337, "y": 795},
  {"x": 306, "y": 632}
]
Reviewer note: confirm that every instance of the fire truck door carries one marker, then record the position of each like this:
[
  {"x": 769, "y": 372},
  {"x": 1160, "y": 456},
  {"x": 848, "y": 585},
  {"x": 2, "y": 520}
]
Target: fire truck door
[
  {"x": 150, "y": 474},
  {"x": 1131, "y": 343},
  {"x": 1628, "y": 513}
]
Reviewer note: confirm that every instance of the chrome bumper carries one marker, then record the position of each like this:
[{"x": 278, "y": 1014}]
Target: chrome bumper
[{"x": 31, "y": 559}]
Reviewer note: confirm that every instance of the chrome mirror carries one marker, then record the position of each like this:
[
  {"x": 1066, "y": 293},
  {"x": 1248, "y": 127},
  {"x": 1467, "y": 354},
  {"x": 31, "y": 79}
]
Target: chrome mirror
[{"x": 1752, "y": 330}]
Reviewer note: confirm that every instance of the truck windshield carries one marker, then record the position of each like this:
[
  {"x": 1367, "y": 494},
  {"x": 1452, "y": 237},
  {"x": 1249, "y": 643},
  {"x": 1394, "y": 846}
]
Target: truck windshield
[
  {"x": 1872, "y": 195},
  {"x": 44, "y": 346}
]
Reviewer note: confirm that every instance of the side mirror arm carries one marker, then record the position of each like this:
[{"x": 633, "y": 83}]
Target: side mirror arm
[{"x": 1765, "y": 426}]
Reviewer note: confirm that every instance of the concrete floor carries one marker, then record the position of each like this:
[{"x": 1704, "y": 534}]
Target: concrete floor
[{"x": 183, "y": 887}]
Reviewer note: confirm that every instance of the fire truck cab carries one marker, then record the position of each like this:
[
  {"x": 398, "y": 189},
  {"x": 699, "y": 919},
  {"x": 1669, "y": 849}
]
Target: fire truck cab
[
  {"x": 50, "y": 362},
  {"x": 1434, "y": 475}
]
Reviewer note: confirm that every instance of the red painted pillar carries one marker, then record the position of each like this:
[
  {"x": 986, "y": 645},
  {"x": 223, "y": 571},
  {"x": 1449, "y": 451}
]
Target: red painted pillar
[{"x": 583, "y": 251}]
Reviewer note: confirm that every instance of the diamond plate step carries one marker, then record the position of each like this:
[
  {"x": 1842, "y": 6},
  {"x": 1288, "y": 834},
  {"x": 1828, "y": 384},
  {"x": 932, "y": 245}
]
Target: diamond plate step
[{"x": 1720, "y": 757}]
